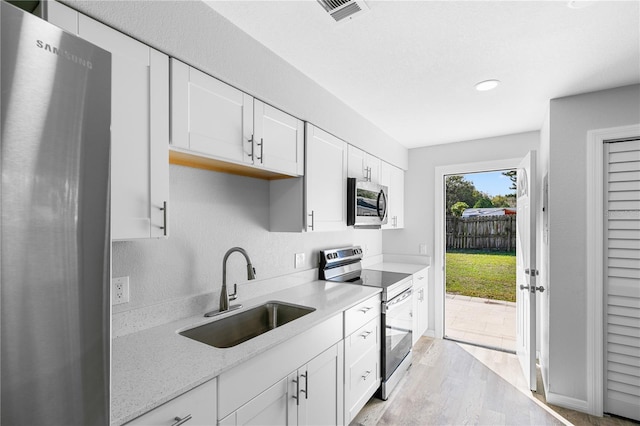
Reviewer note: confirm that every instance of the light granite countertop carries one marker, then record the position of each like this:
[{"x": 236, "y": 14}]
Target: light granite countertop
[{"x": 153, "y": 366}]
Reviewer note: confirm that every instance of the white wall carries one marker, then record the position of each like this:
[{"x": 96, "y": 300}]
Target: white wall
[
  {"x": 420, "y": 190},
  {"x": 211, "y": 212},
  {"x": 570, "y": 119},
  {"x": 196, "y": 34},
  {"x": 542, "y": 246}
]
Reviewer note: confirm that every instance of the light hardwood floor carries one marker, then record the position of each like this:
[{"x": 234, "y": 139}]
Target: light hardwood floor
[{"x": 454, "y": 384}]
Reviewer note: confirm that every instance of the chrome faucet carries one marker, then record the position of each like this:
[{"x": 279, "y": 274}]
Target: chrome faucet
[{"x": 224, "y": 296}]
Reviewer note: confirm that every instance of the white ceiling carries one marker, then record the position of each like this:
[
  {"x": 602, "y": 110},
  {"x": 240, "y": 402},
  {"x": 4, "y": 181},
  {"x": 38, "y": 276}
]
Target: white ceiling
[{"x": 410, "y": 66}]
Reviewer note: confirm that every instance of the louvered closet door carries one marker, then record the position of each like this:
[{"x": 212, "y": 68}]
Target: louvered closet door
[{"x": 622, "y": 280}]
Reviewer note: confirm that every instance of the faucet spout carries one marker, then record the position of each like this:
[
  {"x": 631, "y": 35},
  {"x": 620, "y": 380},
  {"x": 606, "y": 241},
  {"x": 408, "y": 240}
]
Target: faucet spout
[{"x": 225, "y": 297}]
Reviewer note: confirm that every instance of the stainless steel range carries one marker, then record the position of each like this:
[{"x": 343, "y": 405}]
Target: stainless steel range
[{"x": 344, "y": 265}]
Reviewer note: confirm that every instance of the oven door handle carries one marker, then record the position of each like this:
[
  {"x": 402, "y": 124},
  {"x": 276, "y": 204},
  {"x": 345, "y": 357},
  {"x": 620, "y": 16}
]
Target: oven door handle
[{"x": 398, "y": 300}]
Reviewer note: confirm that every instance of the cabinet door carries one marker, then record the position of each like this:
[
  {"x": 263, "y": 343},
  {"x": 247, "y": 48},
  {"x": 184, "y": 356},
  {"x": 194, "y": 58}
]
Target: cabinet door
[
  {"x": 209, "y": 116},
  {"x": 393, "y": 178},
  {"x": 326, "y": 181},
  {"x": 268, "y": 408},
  {"x": 321, "y": 389},
  {"x": 278, "y": 140},
  {"x": 196, "y": 407},
  {"x": 139, "y": 126},
  {"x": 374, "y": 165},
  {"x": 420, "y": 307},
  {"x": 357, "y": 164}
]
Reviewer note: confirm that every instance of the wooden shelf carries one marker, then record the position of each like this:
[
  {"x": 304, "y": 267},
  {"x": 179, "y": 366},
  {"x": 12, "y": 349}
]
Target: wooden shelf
[{"x": 199, "y": 162}]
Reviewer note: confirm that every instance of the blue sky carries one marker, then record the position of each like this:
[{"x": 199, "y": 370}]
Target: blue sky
[{"x": 493, "y": 183}]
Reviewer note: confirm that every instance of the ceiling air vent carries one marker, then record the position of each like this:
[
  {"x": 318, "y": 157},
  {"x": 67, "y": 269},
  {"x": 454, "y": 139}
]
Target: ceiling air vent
[{"x": 344, "y": 9}]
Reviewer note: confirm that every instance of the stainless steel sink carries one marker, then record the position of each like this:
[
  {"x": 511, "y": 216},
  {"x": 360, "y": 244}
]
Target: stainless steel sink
[{"x": 245, "y": 325}]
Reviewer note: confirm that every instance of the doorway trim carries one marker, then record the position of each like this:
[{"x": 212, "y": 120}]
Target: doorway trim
[
  {"x": 439, "y": 223},
  {"x": 595, "y": 260}
]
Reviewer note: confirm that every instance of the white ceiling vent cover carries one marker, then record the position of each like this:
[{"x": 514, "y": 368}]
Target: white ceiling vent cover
[{"x": 344, "y": 9}]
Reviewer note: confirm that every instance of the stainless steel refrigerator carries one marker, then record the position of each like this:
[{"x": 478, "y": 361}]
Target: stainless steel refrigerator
[{"x": 54, "y": 229}]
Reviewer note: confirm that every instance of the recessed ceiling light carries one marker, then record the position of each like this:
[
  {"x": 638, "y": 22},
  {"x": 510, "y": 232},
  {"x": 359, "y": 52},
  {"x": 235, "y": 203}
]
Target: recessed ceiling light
[{"x": 483, "y": 86}]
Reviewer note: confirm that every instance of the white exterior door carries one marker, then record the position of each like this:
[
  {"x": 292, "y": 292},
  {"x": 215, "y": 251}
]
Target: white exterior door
[
  {"x": 526, "y": 269},
  {"x": 622, "y": 278}
]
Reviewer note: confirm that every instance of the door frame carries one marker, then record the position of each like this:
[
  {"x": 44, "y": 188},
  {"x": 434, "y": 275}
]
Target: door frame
[
  {"x": 595, "y": 260},
  {"x": 439, "y": 223}
]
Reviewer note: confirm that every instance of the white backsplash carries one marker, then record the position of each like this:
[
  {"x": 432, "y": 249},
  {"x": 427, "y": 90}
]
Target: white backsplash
[{"x": 211, "y": 212}]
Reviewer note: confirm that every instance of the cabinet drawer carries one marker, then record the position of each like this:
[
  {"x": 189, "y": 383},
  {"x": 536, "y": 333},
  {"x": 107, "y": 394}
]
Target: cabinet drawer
[
  {"x": 420, "y": 278},
  {"x": 361, "y": 314},
  {"x": 199, "y": 405},
  {"x": 365, "y": 338},
  {"x": 363, "y": 379}
]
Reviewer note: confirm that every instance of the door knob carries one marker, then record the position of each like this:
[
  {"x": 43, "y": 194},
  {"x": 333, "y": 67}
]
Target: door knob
[{"x": 524, "y": 287}]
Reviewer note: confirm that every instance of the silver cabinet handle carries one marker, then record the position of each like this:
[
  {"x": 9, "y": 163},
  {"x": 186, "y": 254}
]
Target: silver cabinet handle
[
  {"x": 251, "y": 142},
  {"x": 261, "y": 145},
  {"x": 181, "y": 421},
  {"x": 297, "y": 395},
  {"x": 312, "y": 220},
  {"x": 421, "y": 277},
  {"x": 365, "y": 309},
  {"x": 365, "y": 334},
  {"x": 365, "y": 375},
  {"x": 306, "y": 385},
  {"x": 164, "y": 226}
]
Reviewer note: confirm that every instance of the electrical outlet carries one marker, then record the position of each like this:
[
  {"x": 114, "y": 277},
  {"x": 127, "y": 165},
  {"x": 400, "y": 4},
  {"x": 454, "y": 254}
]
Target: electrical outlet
[
  {"x": 119, "y": 290},
  {"x": 299, "y": 260},
  {"x": 422, "y": 248}
]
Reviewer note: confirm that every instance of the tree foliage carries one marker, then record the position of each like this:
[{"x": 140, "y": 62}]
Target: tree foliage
[
  {"x": 458, "y": 189},
  {"x": 458, "y": 208},
  {"x": 513, "y": 176},
  {"x": 482, "y": 203}
]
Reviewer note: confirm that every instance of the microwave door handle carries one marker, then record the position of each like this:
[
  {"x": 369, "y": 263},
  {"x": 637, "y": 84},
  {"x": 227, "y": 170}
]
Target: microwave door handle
[{"x": 382, "y": 212}]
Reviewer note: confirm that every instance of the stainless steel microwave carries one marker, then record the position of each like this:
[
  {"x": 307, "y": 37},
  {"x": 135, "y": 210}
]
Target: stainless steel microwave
[{"x": 366, "y": 204}]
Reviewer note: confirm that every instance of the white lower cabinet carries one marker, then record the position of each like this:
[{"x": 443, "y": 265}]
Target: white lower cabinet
[
  {"x": 196, "y": 407},
  {"x": 297, "y": 382},
  {"x": 310, "y": 395},
  {"x": 361, "y": 355},
  {"x": 271, "y": 407},
  {"x": 420, "y": 307}
]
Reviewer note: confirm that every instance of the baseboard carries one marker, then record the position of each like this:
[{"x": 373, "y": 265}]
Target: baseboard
[
  {"x": 429, "y": 333},
  {"x": 567, "y": 402}
]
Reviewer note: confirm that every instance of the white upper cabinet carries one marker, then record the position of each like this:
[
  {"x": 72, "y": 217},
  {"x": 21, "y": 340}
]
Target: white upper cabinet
[
  {"x": 212, "y": 118},
  {"x": 209, "y": 116},
  {"x": 393, "y": 178},
  {"x": 363, "y": 165},
  {"x": 278, "y": 140},
  {"x": 139, "y": 126},
  {"x": 326, "y": 181}
]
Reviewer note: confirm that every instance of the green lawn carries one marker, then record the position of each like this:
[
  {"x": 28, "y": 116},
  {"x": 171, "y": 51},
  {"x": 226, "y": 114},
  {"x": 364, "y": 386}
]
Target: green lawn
[{"x": 482, "y": 274}]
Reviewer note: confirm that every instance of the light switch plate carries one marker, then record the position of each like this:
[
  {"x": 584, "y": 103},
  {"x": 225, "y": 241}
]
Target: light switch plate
[
  {"x": 299, "y": 260},
  {"x": 119, "y": 290}
]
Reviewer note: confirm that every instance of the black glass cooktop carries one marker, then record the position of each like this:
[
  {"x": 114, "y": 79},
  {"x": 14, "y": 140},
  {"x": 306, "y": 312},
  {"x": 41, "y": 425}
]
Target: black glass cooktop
[{"x": 382, "y": 279}]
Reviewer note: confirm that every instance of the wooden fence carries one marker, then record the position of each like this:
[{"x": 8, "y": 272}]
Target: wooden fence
[{"x": 484, "y": 233}]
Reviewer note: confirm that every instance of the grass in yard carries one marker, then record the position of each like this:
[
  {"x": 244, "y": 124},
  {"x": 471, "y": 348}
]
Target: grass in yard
[{"x": 490, "y": 275}]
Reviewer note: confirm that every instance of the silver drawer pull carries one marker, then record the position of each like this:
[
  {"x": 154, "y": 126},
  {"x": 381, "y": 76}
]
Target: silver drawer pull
[
  {"x": 365, "y": 309},
  {"x": 421, "y": 278},
  {"x": 181, "y": 420},
  {"x": 365, "y": 375},
  {"x": 365, "y": 334}
]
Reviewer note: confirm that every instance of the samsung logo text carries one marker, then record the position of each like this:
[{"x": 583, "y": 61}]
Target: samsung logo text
[{"x": 65, "y": 54}]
